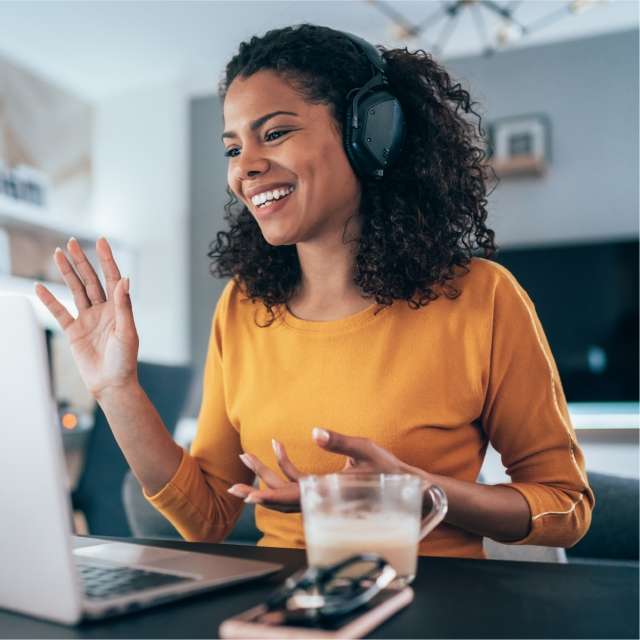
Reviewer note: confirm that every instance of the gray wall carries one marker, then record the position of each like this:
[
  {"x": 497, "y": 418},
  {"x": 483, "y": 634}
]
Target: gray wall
[
  {"x": 208, "y": 179},
  {"x": 589, "y": 90}
]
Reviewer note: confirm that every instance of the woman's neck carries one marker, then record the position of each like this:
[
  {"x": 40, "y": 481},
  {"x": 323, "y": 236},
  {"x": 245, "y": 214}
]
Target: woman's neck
[{"x": 327, "y": 290}]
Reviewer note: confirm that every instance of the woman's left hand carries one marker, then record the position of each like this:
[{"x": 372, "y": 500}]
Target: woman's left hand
[{"x": 363, "y": 456}]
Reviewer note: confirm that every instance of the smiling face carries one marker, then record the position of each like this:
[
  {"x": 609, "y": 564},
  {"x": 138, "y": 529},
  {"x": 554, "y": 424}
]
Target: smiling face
[{"x": 278, "y": 143}]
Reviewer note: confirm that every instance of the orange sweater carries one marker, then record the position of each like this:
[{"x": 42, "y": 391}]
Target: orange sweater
[{"x": 433, "y": 386}]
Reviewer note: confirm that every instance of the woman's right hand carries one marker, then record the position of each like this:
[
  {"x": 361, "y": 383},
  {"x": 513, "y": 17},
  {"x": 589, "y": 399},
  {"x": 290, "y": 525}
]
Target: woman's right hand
[{"x": 103, "y": 337}]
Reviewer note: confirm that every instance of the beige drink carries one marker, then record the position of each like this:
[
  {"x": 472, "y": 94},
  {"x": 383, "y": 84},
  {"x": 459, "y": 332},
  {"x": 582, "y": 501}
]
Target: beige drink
[
  {"x": 346, "y": 514},
  {"x": 394, "y": 536}
]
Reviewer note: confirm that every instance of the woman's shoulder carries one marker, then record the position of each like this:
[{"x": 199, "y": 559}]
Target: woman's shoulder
[
  {"x": 236, "y": 305},
  {"x": 481, "y": 273},
  {"x": 497, "y": 273},
  {"x": 482, "y": 281},
  {"x": 493, "y": 284},
  {"x": 232, "y": 298},
  {"x": 231, "y": 291}
]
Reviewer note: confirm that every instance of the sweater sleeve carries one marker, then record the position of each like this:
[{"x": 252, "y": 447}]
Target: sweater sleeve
[
  {"x": 526, "y": 419},
  {"x": 195, "y": 500}
]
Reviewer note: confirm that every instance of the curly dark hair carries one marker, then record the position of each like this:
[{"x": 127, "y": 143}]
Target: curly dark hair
[{"x": 422, "y": 220}]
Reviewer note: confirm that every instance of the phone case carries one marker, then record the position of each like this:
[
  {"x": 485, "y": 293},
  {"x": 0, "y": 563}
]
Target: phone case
[{"x": 355, "y": 625}]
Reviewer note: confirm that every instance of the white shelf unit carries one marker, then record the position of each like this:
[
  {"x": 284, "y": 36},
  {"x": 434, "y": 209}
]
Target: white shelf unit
[{"x": 22, "y": 216}]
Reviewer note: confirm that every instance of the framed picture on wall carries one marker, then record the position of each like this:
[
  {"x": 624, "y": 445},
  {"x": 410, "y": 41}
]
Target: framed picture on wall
[{"x": 520, "y": 145}]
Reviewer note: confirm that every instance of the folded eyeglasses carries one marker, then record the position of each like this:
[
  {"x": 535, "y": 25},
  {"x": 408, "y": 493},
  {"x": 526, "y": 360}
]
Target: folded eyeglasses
[{"x": 324, "y": 593}]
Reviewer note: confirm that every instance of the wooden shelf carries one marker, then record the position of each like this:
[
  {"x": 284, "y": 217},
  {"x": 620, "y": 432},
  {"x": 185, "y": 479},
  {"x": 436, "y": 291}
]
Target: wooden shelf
[
  {"x": 524, "y": 165},
  {"x": 23, "y": 218}
]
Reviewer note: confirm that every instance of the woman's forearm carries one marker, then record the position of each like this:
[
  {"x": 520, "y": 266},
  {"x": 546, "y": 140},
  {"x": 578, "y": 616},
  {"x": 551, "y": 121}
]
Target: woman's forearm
[
  {"x": 140, "y": 433},
  {"x": 494, "y": 512}
]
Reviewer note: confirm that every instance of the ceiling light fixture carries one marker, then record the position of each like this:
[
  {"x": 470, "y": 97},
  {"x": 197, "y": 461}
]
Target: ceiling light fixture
[{"x": 509, "y": 32}]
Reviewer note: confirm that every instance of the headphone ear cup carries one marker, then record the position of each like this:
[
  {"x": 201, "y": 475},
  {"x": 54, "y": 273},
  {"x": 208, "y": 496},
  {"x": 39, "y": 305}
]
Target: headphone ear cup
[{"x": 375, "y": 145}]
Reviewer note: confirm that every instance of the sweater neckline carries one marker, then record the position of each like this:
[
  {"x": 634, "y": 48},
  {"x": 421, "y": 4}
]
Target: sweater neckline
[{"x": 347, "y": 323}]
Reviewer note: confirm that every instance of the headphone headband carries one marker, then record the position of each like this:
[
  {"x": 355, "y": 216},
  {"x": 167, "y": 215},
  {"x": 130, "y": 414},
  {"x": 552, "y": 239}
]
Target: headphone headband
[
  {"x": 373, "y": 55},
  {"x": 374, "y": 127}
]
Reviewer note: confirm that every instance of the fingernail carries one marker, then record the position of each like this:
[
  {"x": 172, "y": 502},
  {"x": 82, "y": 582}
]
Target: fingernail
[
  {"x": 247, "y": 461},
  {"x": 251, "y": 499},
  {"x": 126, "y": 285},
  {"x": 234, "y": 491},
  {"x": 320, "y": 435},
  {"x": 276, "y": 447},
  {"x": 72, "y": 239}
]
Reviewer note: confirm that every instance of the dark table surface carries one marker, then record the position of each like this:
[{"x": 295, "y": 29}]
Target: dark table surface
[{"x": 454, "y": 598}]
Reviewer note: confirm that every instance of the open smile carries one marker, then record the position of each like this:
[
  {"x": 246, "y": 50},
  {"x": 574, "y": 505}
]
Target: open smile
[{"x": 269, "y": 207}]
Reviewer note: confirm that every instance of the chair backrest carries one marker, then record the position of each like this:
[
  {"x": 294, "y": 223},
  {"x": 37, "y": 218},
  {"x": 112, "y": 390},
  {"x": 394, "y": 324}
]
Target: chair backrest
[
  {"x": 99, "y": 491},
  {"x": 614, "y": 522},
  {"x": 525, "y": 552},
  {"x": 145, "y": 522},
  {"x": 245, "y": 530}
]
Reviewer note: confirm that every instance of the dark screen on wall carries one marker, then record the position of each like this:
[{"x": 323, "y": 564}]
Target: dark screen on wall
[{"x": 586, "y": 296}]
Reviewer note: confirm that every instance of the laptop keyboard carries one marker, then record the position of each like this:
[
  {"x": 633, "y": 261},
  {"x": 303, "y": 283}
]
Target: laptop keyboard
[{"x": 110, "y": 582}]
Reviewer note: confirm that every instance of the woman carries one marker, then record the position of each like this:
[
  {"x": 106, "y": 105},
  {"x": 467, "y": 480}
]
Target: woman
[{"x": 357, "y": 331}]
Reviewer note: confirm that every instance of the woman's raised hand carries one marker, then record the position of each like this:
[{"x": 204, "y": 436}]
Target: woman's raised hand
[{"x": 103, "y": 337}]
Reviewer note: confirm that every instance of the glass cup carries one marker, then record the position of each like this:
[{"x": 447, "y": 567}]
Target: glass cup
[{"x": 349, "y": 513}]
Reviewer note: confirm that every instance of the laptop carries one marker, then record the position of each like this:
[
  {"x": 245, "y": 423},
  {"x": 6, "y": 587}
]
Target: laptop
[{"x": 45, "y": 571}]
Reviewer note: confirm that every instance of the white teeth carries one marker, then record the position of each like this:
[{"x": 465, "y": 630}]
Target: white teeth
[{"x": 267, "y": 196}]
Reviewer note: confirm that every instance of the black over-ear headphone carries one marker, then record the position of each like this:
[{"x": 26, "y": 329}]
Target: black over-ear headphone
[{"x": 374, "y": 127}]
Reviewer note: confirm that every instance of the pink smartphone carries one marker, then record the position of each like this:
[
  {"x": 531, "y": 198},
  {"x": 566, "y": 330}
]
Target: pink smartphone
[{"x": 257, "y": 622}]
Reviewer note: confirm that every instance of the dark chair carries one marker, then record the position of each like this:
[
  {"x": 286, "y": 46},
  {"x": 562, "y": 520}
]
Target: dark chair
[
  {"x": 99, "y": 491},
  {"x": 146, "y": 522},
  {"x": 613, "y": 535}
]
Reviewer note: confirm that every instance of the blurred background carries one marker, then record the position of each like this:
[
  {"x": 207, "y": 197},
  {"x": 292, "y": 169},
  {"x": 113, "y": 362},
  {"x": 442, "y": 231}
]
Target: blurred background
[{"x": 110, "y": 125}]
